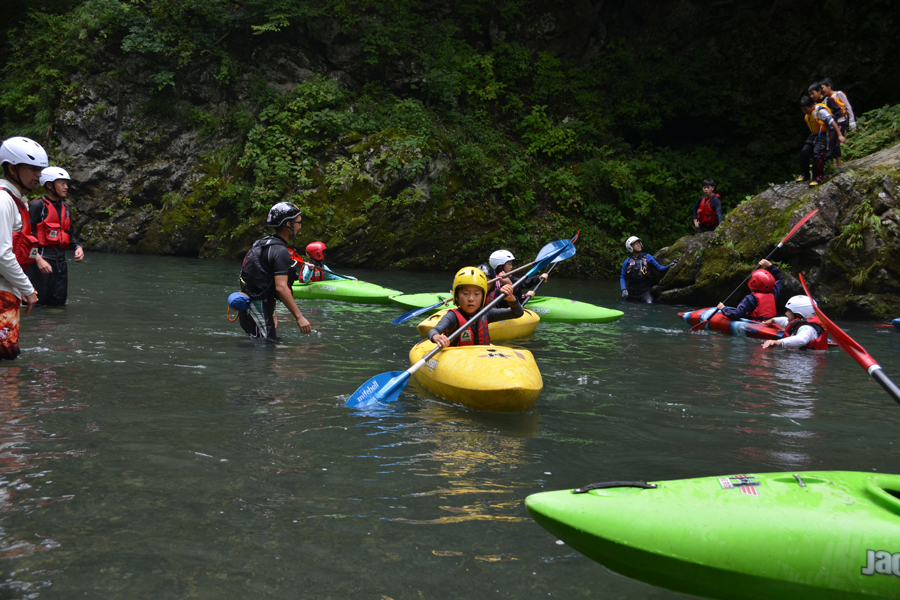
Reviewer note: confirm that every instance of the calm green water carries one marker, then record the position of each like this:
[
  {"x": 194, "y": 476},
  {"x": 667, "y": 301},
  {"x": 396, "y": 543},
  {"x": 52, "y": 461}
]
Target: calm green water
[{"x": 148, "y": 449}]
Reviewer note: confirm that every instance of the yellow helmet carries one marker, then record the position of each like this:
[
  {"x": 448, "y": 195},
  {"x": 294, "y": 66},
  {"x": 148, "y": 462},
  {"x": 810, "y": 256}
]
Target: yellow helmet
[{"x": 471, "y": 276}]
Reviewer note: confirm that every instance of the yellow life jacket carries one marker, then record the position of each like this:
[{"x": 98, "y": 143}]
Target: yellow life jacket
[
  {"x": 840, "y": 104},
  {"x": 815, "y": 124}
]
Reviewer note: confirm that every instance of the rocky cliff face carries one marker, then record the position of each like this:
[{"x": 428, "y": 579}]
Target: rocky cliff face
[{"x": 849, "y": 251}]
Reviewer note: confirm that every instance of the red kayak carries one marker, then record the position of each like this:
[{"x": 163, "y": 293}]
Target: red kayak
[{"x": 744, "y": 327}]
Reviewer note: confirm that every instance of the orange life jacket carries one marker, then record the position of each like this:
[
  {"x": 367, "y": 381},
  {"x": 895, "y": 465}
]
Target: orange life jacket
[
  {"x": 705, "y": 213},
  {"x": 25, "y": 245},
  {"x": 820, "y": 343},
  {"x": 841, "y": 111},
  {"x": 53, "y": 231},
  {"x": 476, "y": 335},
  {"x": 765, "y": 306},
  {"x": 815, "y": 124}
]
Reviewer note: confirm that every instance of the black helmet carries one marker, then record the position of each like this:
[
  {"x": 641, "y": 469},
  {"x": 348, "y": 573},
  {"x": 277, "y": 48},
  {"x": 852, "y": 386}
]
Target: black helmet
[
  {"x": 488, "y": 272},
  {"x": 281, "y": 212}
]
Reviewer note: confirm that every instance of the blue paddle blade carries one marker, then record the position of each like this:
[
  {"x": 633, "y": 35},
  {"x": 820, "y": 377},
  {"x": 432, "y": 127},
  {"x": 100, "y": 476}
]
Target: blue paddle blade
[
  {"x": 415, "y": 313},
  {"x": 564, "y": 245},
  {"x": 568, "y": 252},
  {"x": 550, "y": 249},
  {"x": 382, "y": 388}
]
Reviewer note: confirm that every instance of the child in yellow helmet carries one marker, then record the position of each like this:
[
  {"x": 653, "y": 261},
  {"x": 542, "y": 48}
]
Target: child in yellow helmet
[{"x": 469, "y": 290}]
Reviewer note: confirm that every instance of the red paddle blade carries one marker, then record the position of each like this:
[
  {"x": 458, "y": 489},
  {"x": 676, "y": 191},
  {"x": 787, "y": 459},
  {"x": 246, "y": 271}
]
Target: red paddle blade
[
  {"x": 847, "y": 344},
  {"x": 799, "y": 225}
]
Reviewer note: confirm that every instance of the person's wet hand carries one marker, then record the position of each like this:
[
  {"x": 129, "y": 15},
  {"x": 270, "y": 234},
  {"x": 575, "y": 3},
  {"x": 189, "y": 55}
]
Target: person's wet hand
[
  {"x": 764, "y": 264},
  {"x": 770, "y": 343},
  {"x": 43, "y": 265},
  {"x": 303, "y": 324},
  {"x": 720, "y": 306},
  {"x": 79, "y": 254},
  {"x": 441, "y": 340},
  {"x": 530, "y": 293},
  {"x": 507, "y": 290},
  {"x": 544, "y": 276},
  {"x": 31, "y": 301}
]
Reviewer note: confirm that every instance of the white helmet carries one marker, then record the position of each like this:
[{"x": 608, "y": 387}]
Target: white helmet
[
  {"x": 500, "y": 257},
  {"x": 801, "y": 305},
  {"x": 631, "y": 241},
  {"x": 52, "y": 174},
  {"x": 22, "y": 151}
]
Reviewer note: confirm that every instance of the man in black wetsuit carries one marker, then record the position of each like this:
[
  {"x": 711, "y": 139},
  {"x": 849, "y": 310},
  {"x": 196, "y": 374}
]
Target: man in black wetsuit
[
  {"x": 51, "y": 223},
  {"x": 267, "y": 274}
]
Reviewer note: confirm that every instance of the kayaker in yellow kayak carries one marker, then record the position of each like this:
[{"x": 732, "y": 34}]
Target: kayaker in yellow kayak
[
  {"x": 501, "y": 263},
  {"x": 469, "y": 290}
]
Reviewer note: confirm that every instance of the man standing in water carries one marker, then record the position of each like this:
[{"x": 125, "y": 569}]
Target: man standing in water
[
  {"x": 22, "y": 161},
  {"x": 52, "y": 225},
  {"x": 267, "y": 273},
  {"x": 636, "y": 278}
]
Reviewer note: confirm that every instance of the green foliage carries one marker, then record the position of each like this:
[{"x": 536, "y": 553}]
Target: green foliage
[{"x": 876, "y": 130}]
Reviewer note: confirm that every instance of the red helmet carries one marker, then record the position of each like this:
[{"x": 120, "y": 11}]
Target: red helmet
[
  {"x": 317, "y": 250},
  {"x": 761, "y": 281}
]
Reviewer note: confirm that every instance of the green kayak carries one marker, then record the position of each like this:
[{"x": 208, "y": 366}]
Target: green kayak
[
  {"x": 827, "y": 534},
  {"x": 550, "y": 309},
  {"x": 414, "y": 301},
  {"x": 561, "y": 310},
  {"x": 344, "y": 290}
]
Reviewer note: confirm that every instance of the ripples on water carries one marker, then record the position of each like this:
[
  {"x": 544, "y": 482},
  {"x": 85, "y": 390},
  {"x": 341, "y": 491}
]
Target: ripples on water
[{"x": 149, "y": 449}]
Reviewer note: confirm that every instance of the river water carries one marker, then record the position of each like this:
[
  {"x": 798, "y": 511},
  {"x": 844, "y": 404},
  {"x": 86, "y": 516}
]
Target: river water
[{"x": 149, "y": 449}]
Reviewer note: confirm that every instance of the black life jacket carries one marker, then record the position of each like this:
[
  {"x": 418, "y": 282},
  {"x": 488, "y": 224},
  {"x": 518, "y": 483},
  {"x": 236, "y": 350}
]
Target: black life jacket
[
  {"x": 821, "y": 341},
  {"x": 257, "y": 281},
  {"x": 638, "y": 268},
  {"x": 476, "y": 335}
]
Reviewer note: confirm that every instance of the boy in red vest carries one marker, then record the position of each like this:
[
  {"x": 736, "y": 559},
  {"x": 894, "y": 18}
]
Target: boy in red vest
[
  {"x": 708, "y": 209},
  {"x": 759, "y": 304},
  {"x": 52, "y": 225},
  {"x": 469, "y": 290},
  {"x": 802, "y": 327}
]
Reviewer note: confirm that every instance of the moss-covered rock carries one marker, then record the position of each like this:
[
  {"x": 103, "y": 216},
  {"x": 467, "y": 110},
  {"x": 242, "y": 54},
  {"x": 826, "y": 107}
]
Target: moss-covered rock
[{"x": 848, "y": 251}]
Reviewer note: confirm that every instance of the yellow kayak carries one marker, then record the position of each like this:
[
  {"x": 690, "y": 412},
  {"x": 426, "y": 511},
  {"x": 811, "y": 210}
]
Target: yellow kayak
[
  {"x": 481, "y": 377},
  {"x": 500, "y": 330}
]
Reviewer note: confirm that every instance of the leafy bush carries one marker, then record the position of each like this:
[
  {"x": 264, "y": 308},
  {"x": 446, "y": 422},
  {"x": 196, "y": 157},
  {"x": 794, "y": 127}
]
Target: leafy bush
[{"x": 876, "y": 130}]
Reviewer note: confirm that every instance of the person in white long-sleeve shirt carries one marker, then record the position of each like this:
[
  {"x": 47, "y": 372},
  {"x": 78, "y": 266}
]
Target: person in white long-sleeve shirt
[
  {"x": 802, "y": 327},
  {"x": 22, "y": 161}
]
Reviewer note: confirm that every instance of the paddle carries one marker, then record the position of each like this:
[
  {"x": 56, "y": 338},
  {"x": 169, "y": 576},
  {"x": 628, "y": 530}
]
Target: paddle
[
  {"x": 550, "y": 270},
  {"x": 790, "y": 234},
  {"x": 545, "y": 251},
  {"x": 857, "y": 352},
  {"x": 386, "y": 387}
]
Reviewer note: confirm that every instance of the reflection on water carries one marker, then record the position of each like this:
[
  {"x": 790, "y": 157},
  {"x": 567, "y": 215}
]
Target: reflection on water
[{"x": 149, "y": 449}]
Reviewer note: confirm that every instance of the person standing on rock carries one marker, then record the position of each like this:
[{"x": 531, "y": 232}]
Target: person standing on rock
[
  {"x": 22, "y": 161},
  {"x": 708, "y": 209},
  {"x": 636, "y": 278},
  {"x": 267, "y": 275},
  {"x": 52, "y": 225},
  {"x": 817, "y": 93},
  {"x": 818, "y": 146}
]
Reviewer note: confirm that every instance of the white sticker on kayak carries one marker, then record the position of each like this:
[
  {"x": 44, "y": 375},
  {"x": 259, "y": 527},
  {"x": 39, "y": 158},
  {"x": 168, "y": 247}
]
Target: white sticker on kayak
[
  {"x": 542, "y": 311},
  {"x": 746, "y": 483},
  {"x": 431, "y": 364},
  {"x": 328, "y": 288},
  {"x": 881, "y": 562}
]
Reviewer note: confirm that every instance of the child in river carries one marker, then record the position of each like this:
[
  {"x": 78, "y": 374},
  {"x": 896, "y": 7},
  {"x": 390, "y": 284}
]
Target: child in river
[
  {"x": 469, "y": 291},
  {"x": 803, "y": 329},
  {"x": 759, "y": 304}
]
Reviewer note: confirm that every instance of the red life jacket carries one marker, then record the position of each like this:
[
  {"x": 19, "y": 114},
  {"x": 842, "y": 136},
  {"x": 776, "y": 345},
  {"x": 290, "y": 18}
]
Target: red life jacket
[
  {"x": 765, "y": 306},
  {"x": 25, "y": 245},
  {"x": 317, "y": 273},
  {"x": 476, "y": 335},
  {"x": 820, "y": 343},
  {"x": 705, "y": 213},
  {"x": 53, "y": 231}
]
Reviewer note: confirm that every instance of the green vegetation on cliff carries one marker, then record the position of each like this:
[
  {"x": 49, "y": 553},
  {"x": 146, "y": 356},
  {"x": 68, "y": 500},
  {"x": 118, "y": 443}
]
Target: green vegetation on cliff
[{"x": 509, "y": 113}]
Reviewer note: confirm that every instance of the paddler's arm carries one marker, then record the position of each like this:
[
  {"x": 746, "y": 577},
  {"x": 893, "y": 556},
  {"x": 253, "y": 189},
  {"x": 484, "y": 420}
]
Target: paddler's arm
[
  {"x": 447, "y": 323},
  {"x": 287, "y": 298},
  {"x": 514, "y": 311}
]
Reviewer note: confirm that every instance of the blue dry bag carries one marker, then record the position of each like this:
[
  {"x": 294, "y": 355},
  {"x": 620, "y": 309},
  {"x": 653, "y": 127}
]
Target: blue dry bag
[{"x": 238, "y": 301}]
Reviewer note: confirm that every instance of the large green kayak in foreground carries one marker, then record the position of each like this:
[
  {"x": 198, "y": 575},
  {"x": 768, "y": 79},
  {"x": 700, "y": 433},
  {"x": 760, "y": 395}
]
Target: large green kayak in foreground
[
  {"x": 550, "y": 309},
  {"x": 344, "y": 290},
  {"x": 827, "y": 534}
]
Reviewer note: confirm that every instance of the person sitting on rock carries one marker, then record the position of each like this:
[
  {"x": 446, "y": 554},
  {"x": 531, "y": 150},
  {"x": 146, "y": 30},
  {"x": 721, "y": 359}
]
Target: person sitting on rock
[
  {"x": 317, "y": 271},
  {"x": 636, "y": 279},
  {"x": 759, "y": 305},
  {"x": 801, "y": 325},
  {"x": 818, "y": 146},
  {"x": 708, "y": 209}
]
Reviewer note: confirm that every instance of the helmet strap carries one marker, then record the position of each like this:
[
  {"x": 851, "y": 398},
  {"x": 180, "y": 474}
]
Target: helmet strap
[{"x": 15, "y": 178}]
